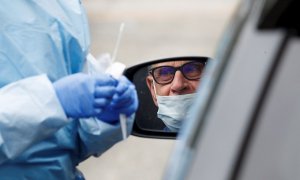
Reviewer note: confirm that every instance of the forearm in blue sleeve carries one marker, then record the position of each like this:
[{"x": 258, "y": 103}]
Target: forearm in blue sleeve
[
  {"x": 29, "y": 113},
  {"x": 98, "y": 136}
]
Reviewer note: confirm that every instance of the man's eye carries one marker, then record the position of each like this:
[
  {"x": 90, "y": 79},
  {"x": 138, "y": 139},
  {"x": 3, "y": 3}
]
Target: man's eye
[{"x": 165, "y": 71}]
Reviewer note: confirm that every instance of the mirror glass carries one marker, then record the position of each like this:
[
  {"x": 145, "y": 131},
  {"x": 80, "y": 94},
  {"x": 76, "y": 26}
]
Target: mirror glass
[{"x": 166, "y": 89}]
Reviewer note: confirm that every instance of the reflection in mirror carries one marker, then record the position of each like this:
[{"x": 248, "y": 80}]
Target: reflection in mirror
[{"x": 166, "y": 90}]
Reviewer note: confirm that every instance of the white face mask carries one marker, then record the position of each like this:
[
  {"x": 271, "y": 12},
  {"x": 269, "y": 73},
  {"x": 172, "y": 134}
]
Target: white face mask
[{"x": 172, "y": 110}]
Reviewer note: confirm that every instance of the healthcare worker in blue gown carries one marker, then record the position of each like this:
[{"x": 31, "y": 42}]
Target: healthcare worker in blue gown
[{"x": 52, "y": 116}]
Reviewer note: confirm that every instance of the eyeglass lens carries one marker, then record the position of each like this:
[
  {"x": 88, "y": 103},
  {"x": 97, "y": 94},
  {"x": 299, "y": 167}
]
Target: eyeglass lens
[{"x": 165, "y": 74}]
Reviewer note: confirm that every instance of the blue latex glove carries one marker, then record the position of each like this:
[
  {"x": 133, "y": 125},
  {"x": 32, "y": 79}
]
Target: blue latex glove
[
  {"x": 124, "y": 101},
  {"x": 83, "y": 96}
]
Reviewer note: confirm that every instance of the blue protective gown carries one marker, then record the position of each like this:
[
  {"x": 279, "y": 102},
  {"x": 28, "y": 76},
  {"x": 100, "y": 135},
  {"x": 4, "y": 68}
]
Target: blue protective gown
[{"x": 40, "y": 42}]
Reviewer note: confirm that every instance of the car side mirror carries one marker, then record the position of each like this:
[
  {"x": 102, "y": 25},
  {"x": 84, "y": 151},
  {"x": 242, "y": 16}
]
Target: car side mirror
[{"x": 147, "y": 123}]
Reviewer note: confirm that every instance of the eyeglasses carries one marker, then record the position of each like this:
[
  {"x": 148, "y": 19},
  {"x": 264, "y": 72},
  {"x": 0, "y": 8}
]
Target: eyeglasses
[{"x": 165, "y": 74}]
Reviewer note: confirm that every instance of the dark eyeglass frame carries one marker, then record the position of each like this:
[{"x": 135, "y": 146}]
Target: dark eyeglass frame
[{"x": 179, "y": 68}]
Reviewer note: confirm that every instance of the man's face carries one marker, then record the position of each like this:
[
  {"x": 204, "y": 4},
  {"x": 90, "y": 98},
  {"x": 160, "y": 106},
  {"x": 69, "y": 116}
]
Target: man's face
[{"x": 178, "y": 86}]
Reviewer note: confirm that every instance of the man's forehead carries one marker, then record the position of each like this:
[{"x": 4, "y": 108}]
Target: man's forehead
[{"x": 171, "y": 63}]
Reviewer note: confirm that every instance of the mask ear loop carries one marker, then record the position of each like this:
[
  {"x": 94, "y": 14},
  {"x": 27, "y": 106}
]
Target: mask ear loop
[{"x": 154, "y": 87}]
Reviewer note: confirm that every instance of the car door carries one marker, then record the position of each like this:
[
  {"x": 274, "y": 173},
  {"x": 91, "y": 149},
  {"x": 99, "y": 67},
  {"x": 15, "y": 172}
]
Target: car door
[{"x": 248, "y": 125}]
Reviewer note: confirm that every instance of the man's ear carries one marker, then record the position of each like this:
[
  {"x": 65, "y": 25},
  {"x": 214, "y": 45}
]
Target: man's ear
[{"x": 150, "y": 85}]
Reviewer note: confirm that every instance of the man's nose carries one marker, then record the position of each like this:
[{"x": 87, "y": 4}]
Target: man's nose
[{"x": 178, "y": 83}]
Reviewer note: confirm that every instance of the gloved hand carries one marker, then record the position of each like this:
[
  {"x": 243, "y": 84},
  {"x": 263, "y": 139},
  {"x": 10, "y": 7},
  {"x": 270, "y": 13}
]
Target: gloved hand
[
  {"x": 124, "y": 101},
  {"x": 83, "y": 96}
]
